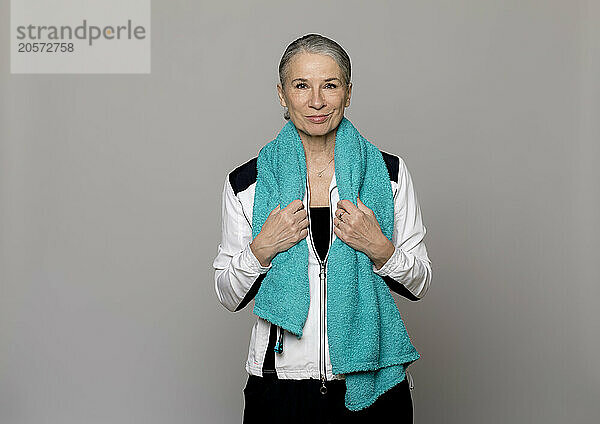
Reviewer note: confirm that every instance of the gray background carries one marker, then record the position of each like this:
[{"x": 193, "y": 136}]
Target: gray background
[{"x": 110, "y": 191}]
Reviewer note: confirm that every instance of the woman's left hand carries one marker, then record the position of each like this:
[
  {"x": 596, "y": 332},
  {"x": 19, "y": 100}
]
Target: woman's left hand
[{"x": 359, "y": 229}]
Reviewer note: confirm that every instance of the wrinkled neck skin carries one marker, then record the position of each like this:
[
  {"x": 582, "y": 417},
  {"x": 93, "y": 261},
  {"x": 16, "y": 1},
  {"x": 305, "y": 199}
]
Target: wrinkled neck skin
[{"x": 318, "y": 149}]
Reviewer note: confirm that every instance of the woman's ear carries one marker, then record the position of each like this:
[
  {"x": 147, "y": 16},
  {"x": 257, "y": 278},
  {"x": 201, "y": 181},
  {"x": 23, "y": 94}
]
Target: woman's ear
[
  {"x": 349, "y": 93},
  {"x": 281, "y": 95}
]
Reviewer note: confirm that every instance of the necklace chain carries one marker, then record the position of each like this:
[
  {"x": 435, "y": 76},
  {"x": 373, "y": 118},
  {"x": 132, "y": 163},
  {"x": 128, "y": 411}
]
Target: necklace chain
[{"x": 320, "y": 173}]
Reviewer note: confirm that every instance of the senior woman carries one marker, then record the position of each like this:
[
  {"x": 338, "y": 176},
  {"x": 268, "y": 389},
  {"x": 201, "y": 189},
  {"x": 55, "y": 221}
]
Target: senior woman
[{"x": 319, "y": 229}]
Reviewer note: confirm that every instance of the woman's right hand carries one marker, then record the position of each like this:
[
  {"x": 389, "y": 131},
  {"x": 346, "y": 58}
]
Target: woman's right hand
[{"x": 282, "y": 229}]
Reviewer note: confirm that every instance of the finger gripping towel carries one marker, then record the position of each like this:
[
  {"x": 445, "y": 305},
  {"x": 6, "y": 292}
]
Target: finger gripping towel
[{"x": 368, "y": 341}]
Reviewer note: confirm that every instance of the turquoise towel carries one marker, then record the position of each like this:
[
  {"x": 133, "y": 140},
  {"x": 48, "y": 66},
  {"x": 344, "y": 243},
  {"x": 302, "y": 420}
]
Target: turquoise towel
[{"x": 367, "y": 338}]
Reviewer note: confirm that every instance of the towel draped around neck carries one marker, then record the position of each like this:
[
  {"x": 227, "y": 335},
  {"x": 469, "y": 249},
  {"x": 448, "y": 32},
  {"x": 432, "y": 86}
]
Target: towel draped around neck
[{"x": 368, "y": 341}]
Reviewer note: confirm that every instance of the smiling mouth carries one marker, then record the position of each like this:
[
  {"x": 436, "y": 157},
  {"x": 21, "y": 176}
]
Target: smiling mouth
[{"x": 318, "y": 118}]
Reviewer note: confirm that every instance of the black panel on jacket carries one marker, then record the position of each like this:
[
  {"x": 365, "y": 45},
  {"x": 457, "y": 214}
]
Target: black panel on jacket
[
  {"x": 393, "y": 165},
  {"x": 252, "y": 292},
  {"x": 399, "y": 288},
  {"x": 243, "y": 176}
]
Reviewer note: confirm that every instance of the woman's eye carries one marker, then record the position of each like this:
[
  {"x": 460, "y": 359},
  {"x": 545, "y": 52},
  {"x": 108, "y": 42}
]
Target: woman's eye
[{"x": 303, "y": 85}]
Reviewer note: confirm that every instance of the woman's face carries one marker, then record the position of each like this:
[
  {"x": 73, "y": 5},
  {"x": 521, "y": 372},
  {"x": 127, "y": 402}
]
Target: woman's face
[{"x": 314, "y": 87}]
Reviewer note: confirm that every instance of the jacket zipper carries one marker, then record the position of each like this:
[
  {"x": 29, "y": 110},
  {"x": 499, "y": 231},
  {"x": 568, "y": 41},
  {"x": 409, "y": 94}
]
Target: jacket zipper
[{"x": 322, "y": 290}]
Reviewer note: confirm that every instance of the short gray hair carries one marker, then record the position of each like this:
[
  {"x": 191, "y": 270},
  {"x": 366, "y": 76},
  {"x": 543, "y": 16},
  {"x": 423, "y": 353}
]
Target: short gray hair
[{"x": 314, "y": 43}]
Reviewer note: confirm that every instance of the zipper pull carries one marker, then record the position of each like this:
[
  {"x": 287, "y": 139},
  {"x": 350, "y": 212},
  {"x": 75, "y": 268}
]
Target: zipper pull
[
  {"x": 323, "y": 388},
  {"x": 279, "y": 345},
  {"x": 322, "y": 273}
]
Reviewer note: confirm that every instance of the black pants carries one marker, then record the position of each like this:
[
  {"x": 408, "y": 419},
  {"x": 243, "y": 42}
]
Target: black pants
[{"x": 300, "y": 401}]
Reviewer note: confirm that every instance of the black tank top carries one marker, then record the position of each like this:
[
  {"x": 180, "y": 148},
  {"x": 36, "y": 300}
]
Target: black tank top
[{"x": 320, "y": 230}]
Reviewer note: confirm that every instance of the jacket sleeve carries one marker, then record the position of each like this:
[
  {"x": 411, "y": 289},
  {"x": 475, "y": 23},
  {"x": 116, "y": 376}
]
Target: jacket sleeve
[
  {"x": 408, "y": 271},
  {"x": 238, "y": 273}
]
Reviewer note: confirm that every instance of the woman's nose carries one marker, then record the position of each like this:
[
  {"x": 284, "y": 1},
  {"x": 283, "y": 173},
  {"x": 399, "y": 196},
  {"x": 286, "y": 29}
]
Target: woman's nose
[{"x": 316, "y": 99}]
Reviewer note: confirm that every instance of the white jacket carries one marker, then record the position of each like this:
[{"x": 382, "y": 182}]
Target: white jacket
[{"x": 238, "y": 274}]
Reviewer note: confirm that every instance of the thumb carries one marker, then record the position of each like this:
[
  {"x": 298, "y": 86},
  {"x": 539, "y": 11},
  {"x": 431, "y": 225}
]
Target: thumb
[{"x": 361, "y": 205}]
